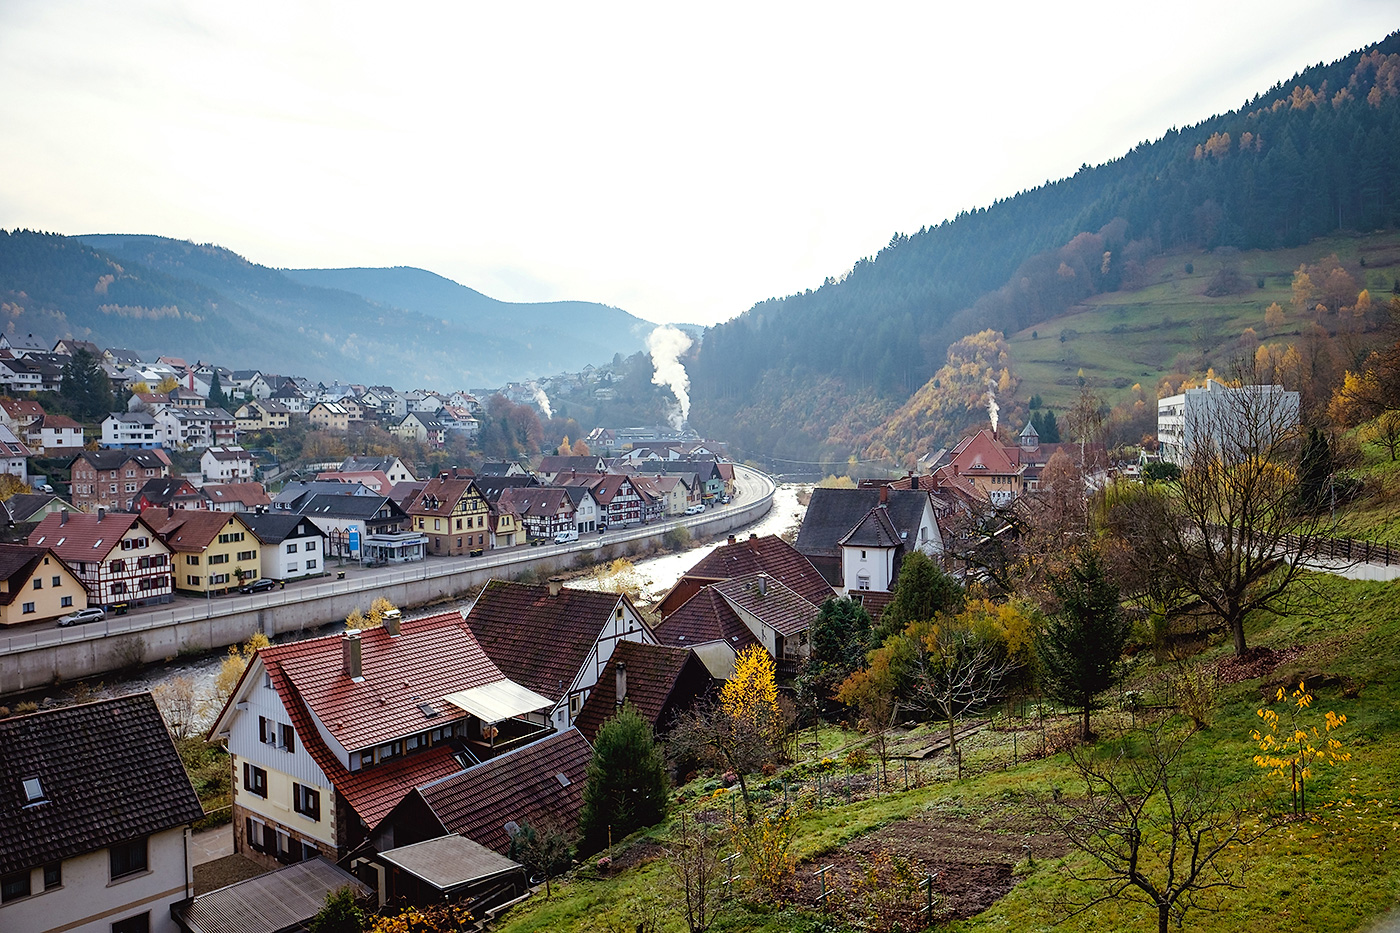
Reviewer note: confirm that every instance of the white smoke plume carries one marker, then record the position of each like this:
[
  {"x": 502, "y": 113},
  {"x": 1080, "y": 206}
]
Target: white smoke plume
[
  {"x": 542, "y": 400},
  {"x": 666, "y": 344},
  {"x": 993, "y": 409}
]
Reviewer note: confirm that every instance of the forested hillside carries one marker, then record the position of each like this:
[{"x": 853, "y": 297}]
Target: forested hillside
[{"x": 812, "y": 375}]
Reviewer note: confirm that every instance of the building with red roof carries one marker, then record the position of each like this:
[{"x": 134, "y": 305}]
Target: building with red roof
[
  {"x": 118, "y": 555},
  {"x": 327, "y": 735}
]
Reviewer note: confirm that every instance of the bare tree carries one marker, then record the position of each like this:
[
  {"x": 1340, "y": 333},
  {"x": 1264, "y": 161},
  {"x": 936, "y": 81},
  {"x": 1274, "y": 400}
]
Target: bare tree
[
  {"x": 958, "y": 669},
  {"x": 1153, "y": 830},
  {"x": 695, "y": 865},
  {"x": 1234, "y": 534},
  {"x": 738, "y": 744}
]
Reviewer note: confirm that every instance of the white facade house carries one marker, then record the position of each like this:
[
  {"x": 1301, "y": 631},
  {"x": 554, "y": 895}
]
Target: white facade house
[
  {"x": 293, "y": 546},
  {"x": 1235, "y": 419},
  {"x": 226, "y": 465},
  {"x": 14, "y": 456},
  {"x": 130, "y": 430}
]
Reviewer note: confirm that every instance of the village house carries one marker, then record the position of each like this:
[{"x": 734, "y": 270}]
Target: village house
[
  {"x": 19, "y": 414},
  {"x": 329, "y": 416},
  {"x": 452, "y": 513},
  {"x": 111, "y": 479},
  {"x": 54, "y": 436},
  {"x": 14, "y": 455},
  {"x": 544, "y": 511},
  {"x": 553, "y": 639},
  {"x": 506, "y": 530},
  {"x": 550, "y": 467},
  {"x": 659, "y": 681},
  {"x": 367, "y": 527},
  {"x": 262, "y": 415},
  {"x": 226, "y": 465},
  {"x": 97, "y": 814},
  {"x": 30, "y": 508},
  {"x": 36, "y": 585},
  {"x": 833, "y": 514},
  {"x": 130, "y": 430},
  {"x": 170, "y": 492},
  {"x": 769, "y": 554},
  {"x": 326, "y": 735},
  {"x": 392, "y": 467},
  {"x": 236, "y": 497},
  {"x": 119, "y": 558},
  {"x": 421, "y": 428},
  {"x": 292, "y": 545},
  {"x": 214, "y": 552}
]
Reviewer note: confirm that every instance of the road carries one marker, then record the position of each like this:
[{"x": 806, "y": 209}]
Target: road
[{"x": 750, "y": 487}]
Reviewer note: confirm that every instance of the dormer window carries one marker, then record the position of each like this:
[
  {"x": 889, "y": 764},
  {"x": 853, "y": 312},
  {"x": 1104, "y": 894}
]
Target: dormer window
[{"x": 33, "y": 791}]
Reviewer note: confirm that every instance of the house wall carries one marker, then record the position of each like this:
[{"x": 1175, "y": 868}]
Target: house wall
[
  {"x": 48, "y": 599},
  {"x": 277, "y": 560},
  {"x": 103, "y": 579},
  {"x": 877, "y": 562},
  {"x": 586, "y": 515},
  {"x": 111, "y": 489},
  {"x": 624, "y": 624},
  {"x": 219, "y": 560},
  {"x": 88, "y": 901}
]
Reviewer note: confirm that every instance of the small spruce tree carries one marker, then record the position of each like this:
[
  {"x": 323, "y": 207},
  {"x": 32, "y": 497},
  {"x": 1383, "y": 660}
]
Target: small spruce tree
[{"x": 626, "y": 787}]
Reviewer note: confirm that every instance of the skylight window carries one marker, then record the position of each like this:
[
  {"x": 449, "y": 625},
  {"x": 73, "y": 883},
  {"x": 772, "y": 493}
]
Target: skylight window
[
  {"x": 563, "y": 779},
  {"x": 33, "y": 790}
]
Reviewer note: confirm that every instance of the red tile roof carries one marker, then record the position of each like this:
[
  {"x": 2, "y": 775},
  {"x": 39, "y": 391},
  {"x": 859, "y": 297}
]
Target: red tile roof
[
  {"x": 540, "y": 641},
  {"x": 659, "y": 680},
  {"x": 705, "y": 617},
  {"x": 441, "y": 495},
  {"x": 521, "y": 786},
  {"x": 251, "y": 495},
  {"x": 432, "y": 657},
  {"x": 85, "y": 536}
]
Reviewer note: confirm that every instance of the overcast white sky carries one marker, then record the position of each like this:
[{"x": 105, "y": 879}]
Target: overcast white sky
[{"x": 679, "y": 162}]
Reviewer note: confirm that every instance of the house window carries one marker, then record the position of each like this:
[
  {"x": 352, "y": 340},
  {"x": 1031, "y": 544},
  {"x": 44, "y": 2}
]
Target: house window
[
  {"x": 118, "y": 566},
  {"x": 286, "y": 738},
  {"x": 192, "y": 558},
  {"x": 14, "y": 886},
  {"x": 309, "y": 546},
  {"x": 254, "y": 779},
  {"x": 311, "y": 565},
  {"x": 437, "y": 524},
  {"x": 191, "y": 580},
  {"x": 38, "y": 583},
  {"x": 128, "y": 858},
  {"x": 308, "y": 851},
  {"x": 141, "y": 923},
  {"x": 292, "y": 548},
  {"x": 28, "y": 608},
  {"x": 56, "y": 581},
  {"x": 216, "y": 578},
  {"x": 118, "y": 587},
  {"x": 53, "y": 875},
  {"x": 306, "y": 801},
  {"x": 66, "y": 602},
  {"x": 247, "y": 555},
  {"x": 257, "y": 834}
]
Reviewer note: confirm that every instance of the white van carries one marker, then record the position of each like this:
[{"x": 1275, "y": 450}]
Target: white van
[{"x": 564, "y": 537}]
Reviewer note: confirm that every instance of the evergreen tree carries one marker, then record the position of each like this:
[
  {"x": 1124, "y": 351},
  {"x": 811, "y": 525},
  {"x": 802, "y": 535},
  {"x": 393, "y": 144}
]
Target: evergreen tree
[
  {"x": 1314, "y": 472},
  {"x": 840, "y": 637},
  {"x": 1049, "y": 428},
  {"x": 923, "y": 591},
  {"x": 86, "y": 388},
  {"x": 626, "y": 787},
  {"x": 1080, "y": 647},
  {"x": 217, "y": 398}
]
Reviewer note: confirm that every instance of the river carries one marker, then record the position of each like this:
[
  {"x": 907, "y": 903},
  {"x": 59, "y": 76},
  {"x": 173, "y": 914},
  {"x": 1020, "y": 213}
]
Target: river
[{"x": 656, "y": 575}]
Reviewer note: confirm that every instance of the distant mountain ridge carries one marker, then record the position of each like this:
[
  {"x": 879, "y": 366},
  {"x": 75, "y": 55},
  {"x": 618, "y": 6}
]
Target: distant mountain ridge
[{"x": 159, "y": 295}]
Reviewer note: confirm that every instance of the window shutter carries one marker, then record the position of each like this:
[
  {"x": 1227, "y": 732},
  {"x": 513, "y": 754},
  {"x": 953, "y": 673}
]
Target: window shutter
[
  {"x": 262, "y": 729},
  {"x": 247, "y": 780},
  {"x": 315, "y": 801},
  {"x": 289, "y": 741}
]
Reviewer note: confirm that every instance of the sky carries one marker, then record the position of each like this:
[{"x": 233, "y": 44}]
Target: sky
[{"x": 679, "y": 161}]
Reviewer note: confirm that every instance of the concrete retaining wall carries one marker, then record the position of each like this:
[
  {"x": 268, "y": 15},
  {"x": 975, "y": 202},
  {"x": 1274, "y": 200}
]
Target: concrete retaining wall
[{"x": 27, "y": 668}]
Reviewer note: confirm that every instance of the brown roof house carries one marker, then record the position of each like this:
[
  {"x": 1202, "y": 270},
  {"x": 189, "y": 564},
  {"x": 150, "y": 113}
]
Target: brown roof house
[
  {"x": 214, "y": 552},
  {"x": 659, "y": 681},
  {"x": 37, "y": 585},
  {"x": 328, "y": 734},
  {"x": 724, "y": 618},
  {"x": 553, "y": 639},
  {"x": 95, "y": 809},
  {"x": 452, "y": 513},
  {"x": 488, "y": 803},
  {"x": 769, "y": 554},
  {"x": 118, "y": 556}
]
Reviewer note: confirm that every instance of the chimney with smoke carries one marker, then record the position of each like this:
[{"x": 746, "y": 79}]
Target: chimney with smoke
[
  {"x": 666, "y": 344},
  {"x": 541, "y": 400},
  {"x": 993, "y": 409}
]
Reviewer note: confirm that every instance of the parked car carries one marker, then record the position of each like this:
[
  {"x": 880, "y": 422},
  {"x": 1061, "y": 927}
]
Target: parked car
[
  {"x": 695, "y": 510},
  {"x": 566, "y": 536},
  {"x": 83, "y": 615},
  {"x": 259, "y": 586}
]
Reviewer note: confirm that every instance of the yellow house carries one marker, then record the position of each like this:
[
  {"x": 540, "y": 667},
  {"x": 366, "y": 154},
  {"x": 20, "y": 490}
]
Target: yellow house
[
  {"x": 329, "y": 416},
  {"x": 453, "y": 514},
  {"x": 214, "y": 552},
  {"x": 262, "y": 415},
  {"x": 37, "y": 585}
]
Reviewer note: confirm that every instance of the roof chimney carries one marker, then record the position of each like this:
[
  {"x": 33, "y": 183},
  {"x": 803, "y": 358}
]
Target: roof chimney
[
  {"x": 753, "y": 536},
  {"x": 621, "y": 682},
  {"x": 884, "y": 495},
  {"x": 100, "y": 513},
  {"x": 555, "y": 585},
  {"x": 763, "y": 584},
  {"x": 350, "y": 655},
  {"x": 391, "y": 623},
  {"x": 955, "y": 468},
  {"x": 731, "y": 539},
  {"x": 913, "y": 480},
  {"x": 63, "y": 517}
]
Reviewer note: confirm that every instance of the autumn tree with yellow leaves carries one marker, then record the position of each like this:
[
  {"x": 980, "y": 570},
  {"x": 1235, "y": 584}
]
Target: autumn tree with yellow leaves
[{"x": 1290, "y": 748}]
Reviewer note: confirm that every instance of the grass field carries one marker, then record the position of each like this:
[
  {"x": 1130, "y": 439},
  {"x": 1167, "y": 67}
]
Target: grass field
[
  {"x": 1337, "y": 871},
  {"x": 1135, "y": 336}
]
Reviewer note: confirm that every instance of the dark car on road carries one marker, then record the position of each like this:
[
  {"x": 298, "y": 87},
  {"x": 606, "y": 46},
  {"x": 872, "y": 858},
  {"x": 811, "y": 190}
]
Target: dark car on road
[{"x": 259, "y": 586}]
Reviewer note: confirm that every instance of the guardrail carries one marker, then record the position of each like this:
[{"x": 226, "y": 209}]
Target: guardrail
[
  {"x": 1352, "y": 549},
  {"x": 429, "y": 569}
]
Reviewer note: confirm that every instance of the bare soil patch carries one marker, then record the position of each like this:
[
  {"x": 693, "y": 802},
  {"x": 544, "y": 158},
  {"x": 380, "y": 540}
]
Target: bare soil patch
[
  {"x": 1256, "y": 662},
  {"x": 223, "y": 872},
  {"x": 876, "y": 878}
]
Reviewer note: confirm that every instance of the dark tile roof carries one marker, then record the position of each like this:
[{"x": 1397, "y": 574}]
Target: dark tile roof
[
  {"x": 363, "y": 508},
  {"x": 705, "y": 617},
  {"x": 773, "y": 604},
  {"x": 115, "y": 459},
  {"x": 108, "y": 772},
  {"x": 492, "y": 486},
  {"x": 769, "y": 554},
  {"x": 659, "y": 680},
  {"x": 874, "y": 530},
  {"x": 832, "y": 513},
  {"x": 166, "y": 489},
  {"x": 542, "y": 501},
  {"x": 540, "y": 641},
  {"x": 18, "y": 562},
  {"x": 557, "y": 464},
  {"x": 276, "y": 527},
  {"x": 521, "y": 786},
  {"x": 23, "y": 506},
  {"x": 86, "y": 535},
  {"x": 874, "y": 601}
]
